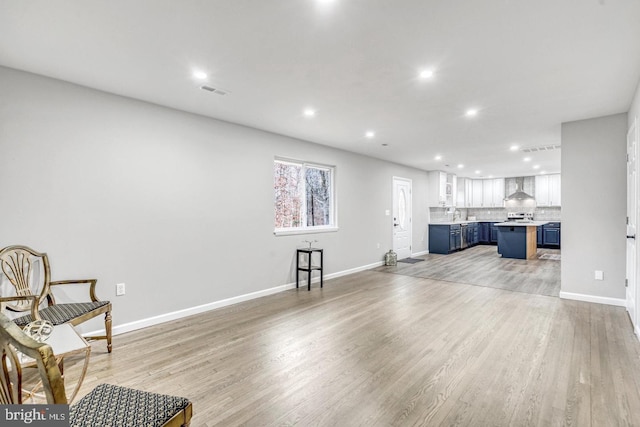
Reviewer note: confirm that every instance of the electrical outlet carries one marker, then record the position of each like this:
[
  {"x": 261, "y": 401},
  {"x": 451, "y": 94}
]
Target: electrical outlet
[
  {"x": 599, "y": 275},
  {"x": 378, "y": 245},
  {"x": 120, "y": 289}
]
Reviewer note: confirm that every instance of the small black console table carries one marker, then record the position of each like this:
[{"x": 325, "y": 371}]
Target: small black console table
[{"x": 308, "y": 265}]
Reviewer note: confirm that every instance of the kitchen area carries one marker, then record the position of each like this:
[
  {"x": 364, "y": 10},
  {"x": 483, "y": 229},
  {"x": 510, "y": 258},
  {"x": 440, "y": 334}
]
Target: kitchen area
[{"x": 518, "y": 215}]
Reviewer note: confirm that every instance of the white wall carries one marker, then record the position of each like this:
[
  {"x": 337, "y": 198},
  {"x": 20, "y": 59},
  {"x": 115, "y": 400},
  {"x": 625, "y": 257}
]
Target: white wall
[
  {"x": 634, "y": 110},
  {"x": 594, "y": 208},
  {"x": 177, "y": 206}
]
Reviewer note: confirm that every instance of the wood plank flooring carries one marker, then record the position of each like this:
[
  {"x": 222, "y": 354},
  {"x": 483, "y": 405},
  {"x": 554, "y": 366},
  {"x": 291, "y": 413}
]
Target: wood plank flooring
[
  {"x": 380, "y": 349},
  {"x": 483, "y": 266}
]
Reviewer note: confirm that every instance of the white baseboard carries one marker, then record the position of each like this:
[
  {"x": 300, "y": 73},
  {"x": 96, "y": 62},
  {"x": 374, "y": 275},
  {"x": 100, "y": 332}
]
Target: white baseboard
[
  {"x": 350, "y": 271},
  {"x": 420, "y": 253},
  {"x": 593, "y": 298},
  {"x": 174, "y": 315}
]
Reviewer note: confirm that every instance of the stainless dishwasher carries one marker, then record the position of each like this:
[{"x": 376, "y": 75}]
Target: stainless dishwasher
[{"x": 463, "y": 236}]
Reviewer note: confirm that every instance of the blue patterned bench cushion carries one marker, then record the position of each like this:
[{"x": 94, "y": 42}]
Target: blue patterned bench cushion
[
  {"x": 114, "y": 406},
  {"x": 62, "y": 313}
]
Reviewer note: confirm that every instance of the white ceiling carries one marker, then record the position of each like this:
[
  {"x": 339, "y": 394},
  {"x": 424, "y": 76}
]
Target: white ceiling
[{"x": 527, "y": 66}]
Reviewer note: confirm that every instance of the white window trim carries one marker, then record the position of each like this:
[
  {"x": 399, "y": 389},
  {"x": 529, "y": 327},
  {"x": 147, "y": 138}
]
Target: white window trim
[
  {"x": 307, "y": 230},
  {"x": 334, "y": 198}
]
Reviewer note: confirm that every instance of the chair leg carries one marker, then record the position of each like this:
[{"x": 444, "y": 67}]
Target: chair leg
[{"x": 107, "y": 327}]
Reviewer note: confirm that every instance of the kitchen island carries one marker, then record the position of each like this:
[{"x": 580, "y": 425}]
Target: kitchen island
[{"x": 518, "y": 239}]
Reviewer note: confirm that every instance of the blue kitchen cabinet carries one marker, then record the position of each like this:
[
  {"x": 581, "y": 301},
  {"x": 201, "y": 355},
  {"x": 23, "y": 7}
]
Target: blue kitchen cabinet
[
  {"x": 539, "y": 237},
  {"x": 444, "y": 238},
  {"x": 483, "y": 232},
  {"x": 512, "y": 242},
  {"x": 455, "y": 238},
  {"x": 551, "y": 235},
  {"x": 472, "y": 234},
  {"x": 493, "y": 237}
]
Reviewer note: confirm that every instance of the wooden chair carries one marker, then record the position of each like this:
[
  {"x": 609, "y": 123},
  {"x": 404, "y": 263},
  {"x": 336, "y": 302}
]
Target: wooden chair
[
  {"x": 28, "y": 274},
  {"x": 105, "y": 406}
]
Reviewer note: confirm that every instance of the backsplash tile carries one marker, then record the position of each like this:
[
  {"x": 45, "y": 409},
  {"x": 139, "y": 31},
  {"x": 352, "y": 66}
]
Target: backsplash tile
[
  {"x": 547, "y": 214},
  {"x": 490, "y": 214}
]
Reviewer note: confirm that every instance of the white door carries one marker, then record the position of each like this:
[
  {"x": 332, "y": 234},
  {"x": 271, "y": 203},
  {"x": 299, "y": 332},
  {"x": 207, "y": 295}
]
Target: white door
[
  {"x": 402, "y": 217},
  {"x": 632, "y": 215}
]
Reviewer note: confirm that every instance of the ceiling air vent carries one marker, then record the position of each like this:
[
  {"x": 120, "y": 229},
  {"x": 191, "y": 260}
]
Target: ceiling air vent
[
  {"x": 214, "y": 90},
  {"x": 540, "y": 148}
]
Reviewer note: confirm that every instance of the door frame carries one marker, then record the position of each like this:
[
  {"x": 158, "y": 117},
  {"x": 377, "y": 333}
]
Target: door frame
[
  {"x": 631, "y": 295},
  {"x": 408, "y": 181}
]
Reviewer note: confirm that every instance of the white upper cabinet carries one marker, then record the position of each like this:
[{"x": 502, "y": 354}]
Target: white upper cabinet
[
  {"x": 542, "y": 190},
  {"x": 487, "y": 192},
  {"x": 477, "y": 191},
  {"x": 442, "y": 189},
  {"x": 461, "y": 192},
  {"x": 465, "y": 193},
  {"x": 468, "y": 193},
  {"x": 498, "y": 192},
  {"x": 480, "y": 193},
  {"x": 548, "y": 190},
  {"x": 452, "y": 191},
  {"x": 492, "y": 193},
  {"x": 555, "y": 190}
]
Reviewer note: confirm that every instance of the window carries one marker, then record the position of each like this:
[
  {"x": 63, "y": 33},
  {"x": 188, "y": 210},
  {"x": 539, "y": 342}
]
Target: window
[{"x": 303, "y": 197}]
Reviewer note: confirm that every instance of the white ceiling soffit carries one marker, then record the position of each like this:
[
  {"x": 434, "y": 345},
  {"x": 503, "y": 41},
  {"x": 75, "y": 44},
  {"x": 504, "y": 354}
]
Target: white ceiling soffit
[{"x": 526, "y": 66}]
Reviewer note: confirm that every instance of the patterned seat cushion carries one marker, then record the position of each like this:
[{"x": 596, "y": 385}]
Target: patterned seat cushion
[
  {"x": 62, "y": 313},
  {"x": 114, "y": 406}
]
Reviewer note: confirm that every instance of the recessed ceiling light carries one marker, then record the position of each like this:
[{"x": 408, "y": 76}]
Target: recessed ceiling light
[
  {"x": 490, "y": 176},
  {"x": 370, "y": 134},
  {"x": 527, "y": 159},
  {"x": 426, "y": 74},
  {"x": 309, "y": 112},
  {"x": 460, "y": 165},
  {"x": 543, "y": 172},
  {"x": 536, "y": 166},
  {"x": 514, "y": 148},
  {"x": 471, "y": 113},
  {"x": 478, "y": 172},
  {"x": 200, "y": 75},
  {"x": 438, "y": 157}
]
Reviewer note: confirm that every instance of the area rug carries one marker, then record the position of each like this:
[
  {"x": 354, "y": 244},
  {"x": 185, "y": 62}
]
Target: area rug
[{"x": 410, "y": 260}]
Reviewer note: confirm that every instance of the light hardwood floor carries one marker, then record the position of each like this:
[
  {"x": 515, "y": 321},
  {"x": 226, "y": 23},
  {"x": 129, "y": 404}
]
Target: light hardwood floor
[
  {"x": 378, "y": 349},
  {"x": 483, "y": 266}
]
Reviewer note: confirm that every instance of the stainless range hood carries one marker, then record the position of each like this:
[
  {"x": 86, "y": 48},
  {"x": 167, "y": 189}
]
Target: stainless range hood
[{"x": 520, "y": 199}]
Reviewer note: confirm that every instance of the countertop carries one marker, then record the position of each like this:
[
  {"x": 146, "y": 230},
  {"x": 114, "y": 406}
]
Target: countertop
[
  {"x": 499, "y": 222},
  {"x": 454, "y": 222},
  {"x": 522, "y": 224}
]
